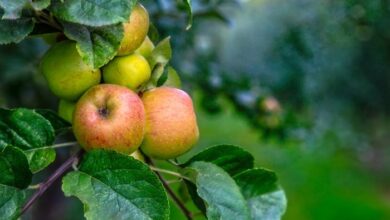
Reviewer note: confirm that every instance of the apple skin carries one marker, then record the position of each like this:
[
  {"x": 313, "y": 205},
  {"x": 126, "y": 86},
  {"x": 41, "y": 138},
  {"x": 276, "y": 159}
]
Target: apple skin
[
  {"x": 66, "y": 109},
  {"x": 67, "y": 75},
  {"x": 130, "y": 71},
  {"x": 135, "y": 30},
  {"x": 171, "y": 127},
  {"x": 146, "y": 48},
  {"x": 109, "y": 117}
]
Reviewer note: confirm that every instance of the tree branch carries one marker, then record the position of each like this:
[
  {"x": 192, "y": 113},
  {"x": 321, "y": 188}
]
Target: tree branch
[
  {"x": 58, "y": 173},
  {"x": 176, "y": 199}
]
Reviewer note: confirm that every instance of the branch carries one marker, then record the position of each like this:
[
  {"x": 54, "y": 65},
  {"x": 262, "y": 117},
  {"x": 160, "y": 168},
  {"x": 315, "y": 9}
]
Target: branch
[
  {"x": 58, "y": 173},
  {"x": 181, "y": 205}
]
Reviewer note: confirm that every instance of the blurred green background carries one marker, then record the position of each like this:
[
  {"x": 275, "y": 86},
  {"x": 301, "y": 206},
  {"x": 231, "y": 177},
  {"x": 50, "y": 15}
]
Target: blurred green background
[{"x": 303, "y": 85}]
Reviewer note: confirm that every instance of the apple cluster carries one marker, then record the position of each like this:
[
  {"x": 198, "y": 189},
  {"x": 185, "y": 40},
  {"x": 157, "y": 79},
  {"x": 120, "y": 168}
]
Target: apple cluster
[{"x": 110, "y": 108}]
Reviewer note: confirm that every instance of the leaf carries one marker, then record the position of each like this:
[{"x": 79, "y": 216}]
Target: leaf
[
  {"x": 29, "y": 131},
  {"x": 188, "y": 7},
  {"x": 14, "y": 168},
  {"x": 265, "y": 198},
  {"x": 116, "y": 186},
  {"x": 12, "y": 8},
  {"x": 14, "y": 31},
  {"x": 162, "y": 53},
  {"x": 153, "y": 33},
  {"x": 168, "y": 77},
  {"x": 163, "y": 78},
  {"x": 58, "y": 123},
  {"x": 40, "y": 4},
  {"x": 40, "y": 158},
  {"x": 25, "y": 129},
  {"x": 96, "y": 45},
  {"x": 11, "y": 201},
  {"x": 15, "y": 175},
  {"x": 231, "y": 158},
  {"x": 93, "y": 12},
  {"x": 221, "y": 194}
]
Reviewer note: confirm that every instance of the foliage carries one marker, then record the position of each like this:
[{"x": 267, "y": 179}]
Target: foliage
[{"x": 112, "y": 185}]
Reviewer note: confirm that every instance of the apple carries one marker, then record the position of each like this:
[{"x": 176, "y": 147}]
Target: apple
[
  {"x": 130, "y": 71},
  {"x": 171, "y": 127},
  {"x": 66, "y": 109},
  {"x": 109, "y": 117},
  {"x": 135, "y": 30},
  {"x": 146, "y": 48},
  {"x": 67, "y": 75}
]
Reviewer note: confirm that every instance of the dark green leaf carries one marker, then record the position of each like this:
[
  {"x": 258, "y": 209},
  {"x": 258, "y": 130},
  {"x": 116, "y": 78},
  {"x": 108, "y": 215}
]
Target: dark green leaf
[
  {"x": 29, "y": 131},
  {"x": 191, "y": 187},
  {"x": 163, "y": 78},
  {"x": 11, "y": 201},
  {"x": 12, "y": 8},
  {"x": 221, "y": 194},
  {"x": 93, "y": 12},
  {"x": 162, "y": 53},
  {"x": 25, "y": 129},
  {"x": 153, "y": 33},
  {"x": 58, "y": 123},
  {"x": 266, "y": 200},
  {"x": 116, "y": 186},
  {"x": 231, "y": 158},
  {"x": 14, "y": 168},
  {"x": 96, "y": 45},
  {"x": 14, "y": 31}
]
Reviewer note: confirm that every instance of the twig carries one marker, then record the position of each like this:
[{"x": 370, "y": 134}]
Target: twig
[
  {"x": 168, "y": 172},
  {"x": 44, "y": 186},
  {"x": 181, "y": 205}
]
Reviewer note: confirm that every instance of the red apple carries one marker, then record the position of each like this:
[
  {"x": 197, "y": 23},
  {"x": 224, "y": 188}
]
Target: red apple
[
  {"x": 109, "y": 117},
  {"x": 171, "y": 127}
]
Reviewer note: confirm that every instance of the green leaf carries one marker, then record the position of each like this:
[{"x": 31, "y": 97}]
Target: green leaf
[
  {"x": 14, "y": 31},
  {"x": 188, "y": 7},
  {"x": 93, "y": 12},
  {"x": 221, "y": 194},
  {"x": 40, "y": 158},
  {"x": 231, "y": 158},
  {"x": 25, "y": 129},
  {"x": 96, "y": 45},
  {"x": 40, "y": 4},
  {"x": 162, "y": 53},
  {"x": 163, "y": 78},
  {"x": 29, "y": 131},
  {"x": 116, "y": 186},
  {"x": 58, "y": 123},
  {"x": 168, "y": 77},
  {"x": 266, "y": 200},
  {"x": 14, "y": 168},
  {"x": 12, "y": 8},
  {"x": 153, "y": 33},
  {"x": 11, "y": 201}
]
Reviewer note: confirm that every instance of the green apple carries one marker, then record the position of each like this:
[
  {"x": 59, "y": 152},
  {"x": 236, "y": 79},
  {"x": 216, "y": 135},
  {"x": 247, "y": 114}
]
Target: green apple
[
  {"x": 66, "y": 109},
  {"x": 67, "y": 75},
  {"x": 130, "y": 71},
  {"x": 135, "y": 30},
  {"x": 171, "y": 127},
  {"x": 146, "y": 48},
  {"x": 109, "y": 117}
]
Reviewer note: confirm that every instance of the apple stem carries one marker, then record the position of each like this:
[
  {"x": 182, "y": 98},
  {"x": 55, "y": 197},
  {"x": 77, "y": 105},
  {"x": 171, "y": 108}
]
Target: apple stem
[
  {"x": 45, "y": 185},
  {"x": 170, "y": 191}
]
